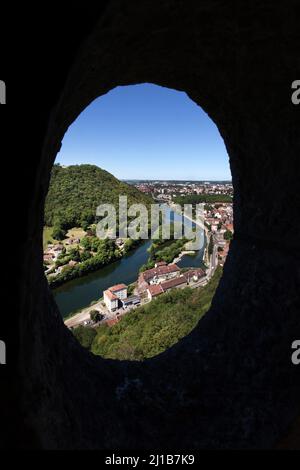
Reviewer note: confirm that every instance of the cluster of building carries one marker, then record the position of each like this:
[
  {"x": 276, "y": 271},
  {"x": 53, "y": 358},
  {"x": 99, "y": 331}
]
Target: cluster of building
[
  {"x": 219, "y": 214},
  {"x": 147, "y": 188},
  {"x": 115, "y": 297},
  {"x": 150, "y": 284},
  {"x": 164, "y": 277},
  {"x": 167, "y": 190},
  {"x": 219, "y": 218},
  {"x": 52, "y": 252}
]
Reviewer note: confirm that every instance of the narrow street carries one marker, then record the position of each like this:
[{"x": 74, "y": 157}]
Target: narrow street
[{"x": 84, "y": 315}]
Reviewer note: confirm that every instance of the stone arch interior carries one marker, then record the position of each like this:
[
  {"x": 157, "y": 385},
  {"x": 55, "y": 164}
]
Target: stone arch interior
[{"x": 239, "y": 395}]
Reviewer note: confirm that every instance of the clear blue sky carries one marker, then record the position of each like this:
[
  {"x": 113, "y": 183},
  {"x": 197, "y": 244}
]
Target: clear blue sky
[{"x": 147, "y": 132}]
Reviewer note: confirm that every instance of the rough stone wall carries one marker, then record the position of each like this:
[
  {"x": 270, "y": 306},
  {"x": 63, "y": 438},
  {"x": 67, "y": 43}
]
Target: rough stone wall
[{"x": 230, "y": 383}]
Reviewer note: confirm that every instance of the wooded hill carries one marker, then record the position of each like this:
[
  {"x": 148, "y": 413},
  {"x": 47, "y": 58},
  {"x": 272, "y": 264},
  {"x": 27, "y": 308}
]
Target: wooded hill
[{"x": 77, "y": 190}]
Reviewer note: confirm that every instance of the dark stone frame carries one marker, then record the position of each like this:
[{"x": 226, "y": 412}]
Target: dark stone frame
[{"x": 230, "y": 383}]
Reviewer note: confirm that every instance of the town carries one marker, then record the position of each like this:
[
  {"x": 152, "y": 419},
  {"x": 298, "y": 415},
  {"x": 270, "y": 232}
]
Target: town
[
  {"x": 119, "y": 299},
  {"x": 168, "y": 190}
]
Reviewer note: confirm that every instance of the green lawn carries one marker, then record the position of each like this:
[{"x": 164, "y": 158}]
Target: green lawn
[{"x": 75, "y": 232}]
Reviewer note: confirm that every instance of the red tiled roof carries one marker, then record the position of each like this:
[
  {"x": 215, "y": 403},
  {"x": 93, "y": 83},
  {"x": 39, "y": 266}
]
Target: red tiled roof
[
  {"x": 48, "y": 256},
  {"x": 72, "y": 263},
  {"x": 194, "y": 272},
  {"x": 160, "y": 263},
  {"x": 112, "y": 322},
  {"x": 229, "y": 227},
  {"x": 160, "y": 271},
  {"x": 155, "y": 289},
  {"x": 117, "y": 287},
  {"x": 173, "y": 283},
  {"x": 110, "y": 295},
  {"x": 225, "y": 250}
]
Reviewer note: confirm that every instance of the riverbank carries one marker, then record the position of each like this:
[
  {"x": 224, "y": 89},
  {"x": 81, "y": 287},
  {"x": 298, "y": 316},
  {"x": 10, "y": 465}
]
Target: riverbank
[
  {"x": 201, "y": 225},
  {"x": 77, "y": 294},
  {"x": 97, "y": 260},
  {"x": 205, "y": 253},
  {"x": 83, "y": 315},
  {"x": 183, "y": 253}
]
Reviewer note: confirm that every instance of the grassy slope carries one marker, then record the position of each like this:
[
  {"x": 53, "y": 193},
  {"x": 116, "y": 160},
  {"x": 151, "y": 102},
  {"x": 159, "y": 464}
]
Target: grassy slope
[{"x": 151, "y": 329}]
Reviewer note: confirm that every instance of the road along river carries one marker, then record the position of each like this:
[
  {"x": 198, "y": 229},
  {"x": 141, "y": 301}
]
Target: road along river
[{"x": 79, "y": 293}]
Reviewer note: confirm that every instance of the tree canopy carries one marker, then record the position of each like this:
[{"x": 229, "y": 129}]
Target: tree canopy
[
  {"x": 77, "y": 190},
  {"x": 154, "y": 327},
  {"x": 202, "y": 198}
]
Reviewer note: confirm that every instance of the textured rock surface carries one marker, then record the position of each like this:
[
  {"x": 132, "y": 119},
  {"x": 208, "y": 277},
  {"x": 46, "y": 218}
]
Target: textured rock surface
[{"x": 231, "y": 382}]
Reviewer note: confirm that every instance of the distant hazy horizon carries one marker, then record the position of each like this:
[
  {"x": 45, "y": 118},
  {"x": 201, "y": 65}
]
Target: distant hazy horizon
[
  {"x": 175, "y": 180},
  {"x": 143, "y": 180}
]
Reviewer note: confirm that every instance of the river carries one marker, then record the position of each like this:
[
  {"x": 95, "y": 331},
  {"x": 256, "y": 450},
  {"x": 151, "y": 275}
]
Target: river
[{"x": 79, "y": 293}]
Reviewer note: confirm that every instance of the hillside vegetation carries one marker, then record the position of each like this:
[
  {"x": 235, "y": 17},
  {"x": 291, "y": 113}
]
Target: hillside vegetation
[
  {"x": 202, "y": 198},
  {"x": 77, "y": 190},
  {"x": 154, "y": 327}
]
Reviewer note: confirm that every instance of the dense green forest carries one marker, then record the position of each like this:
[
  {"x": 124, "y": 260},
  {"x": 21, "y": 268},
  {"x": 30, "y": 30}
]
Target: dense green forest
[
  {"x": 77, "y": 190},
  {"x": 202, "y": 198},
  {"x": 152, "y": 328}
]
